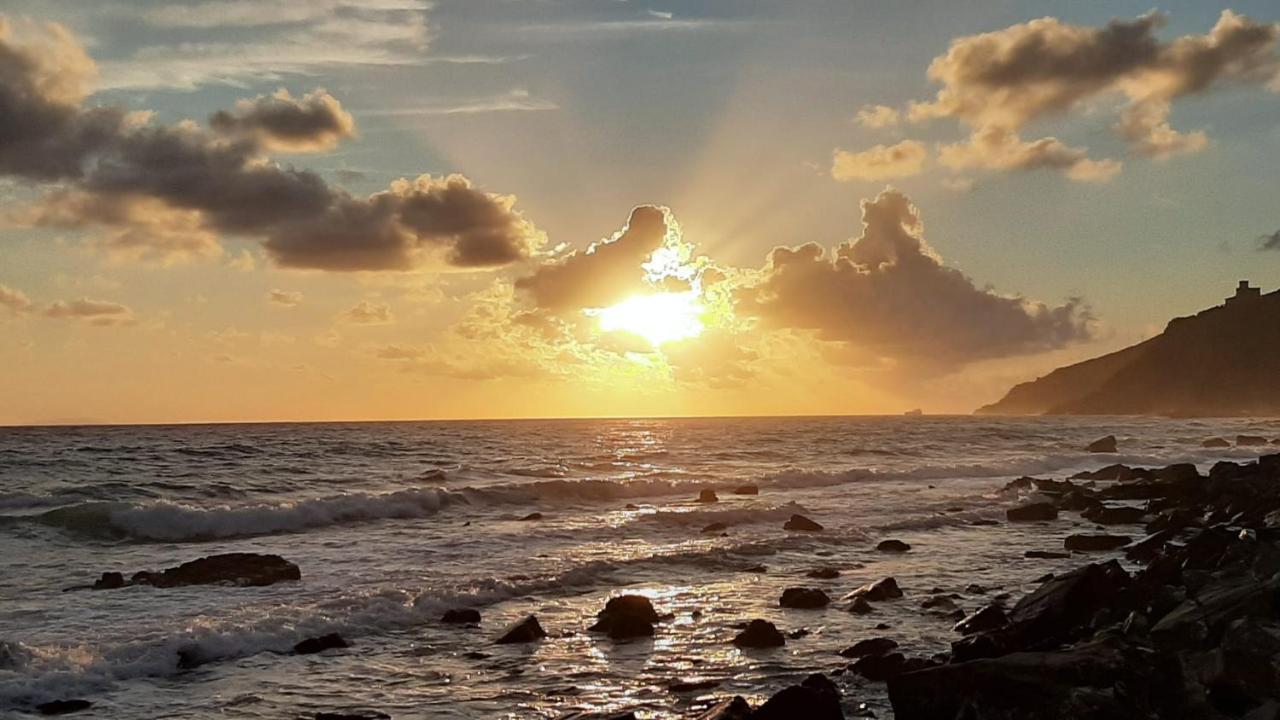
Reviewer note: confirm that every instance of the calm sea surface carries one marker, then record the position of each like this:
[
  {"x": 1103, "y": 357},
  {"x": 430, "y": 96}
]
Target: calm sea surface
[{"x": 392, "y": 523}]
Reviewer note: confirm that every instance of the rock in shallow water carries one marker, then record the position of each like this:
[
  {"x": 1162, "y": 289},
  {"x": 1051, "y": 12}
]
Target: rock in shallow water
[
  {"x": 310, "y": 646},
  {"x": 625, "y": 617},
  {"x": 1033, "y": 512},
  {"x": 63, "y": 707},
  {"x": 802, "y": 523},
  {"x": 817, "y": 698},
  {"x": 883, "y": 589},
  {"x": 239, "y": 569},
  {"x": 461, "y": 616},
  {"x": 1103, "y": 445},
  {"x": 760, "y": 634},
  {"x": 522, "y": 631},
  {"x": 746, "y": 490},
  {"x": 803, "y": 598},
  {"x": 870, "y": 646},
  {"x": 735, "y": 708},
  {"x": 892, "y": 546},
  {"x": 823, "y": 573}
]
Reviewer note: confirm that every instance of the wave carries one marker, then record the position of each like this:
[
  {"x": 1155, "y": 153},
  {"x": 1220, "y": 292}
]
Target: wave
[{"x": 728, "y": 516}]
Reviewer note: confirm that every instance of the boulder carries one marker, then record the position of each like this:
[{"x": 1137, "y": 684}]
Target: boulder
[
  {"x": 817, "y": 698},
  {"x": 1090, "y": 543},
  {"x": 939, "y": 603},
  {"x": 1247, "y": 440},
  {"x": 625, "y": 617},
  {"x": 1216, "y": 443},
  {"x": 1032, "y": 512},
  {"x": 879, "y": 668},
  {"x": 893, "y": 546},
  {"x": 715, "y": 527},
  {"x": 803, "y": 598},
  {"x": 1114, "y": 515},
  {"x": 860, "y": 606},
  {"x": 883, "y": 589},
  {"x": 461, "y": 616},
  {"x": 1046, "y": 554},
  {"x": 1103, "y": 445},
  {"x": 735, "y": 708},
  {"x": 870, "y": 646},
  {"x": 708, "y": 496},
  {"x": 531, "y": 516},
  {"x": 802, "y": 523},
  {"x": 313, "y": 645},
  {"x": 760, "y": 634},
  {"x": 746, "y": 490},
  {"x": 63, "y": 707},
  {"x": 526, "y": 630},
  {"x": 823, "y": 573},
  {"x": 986, "y": 618},
  {"x": 109, "y": 581},
  {"x": 240, "y": 569}
]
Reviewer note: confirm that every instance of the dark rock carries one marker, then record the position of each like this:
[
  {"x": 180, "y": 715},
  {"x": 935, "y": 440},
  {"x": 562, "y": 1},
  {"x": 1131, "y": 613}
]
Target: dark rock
[
  {"x": 800, "y": 522},
  {"x": 715, "y": 527},
  {"x": 860, "y": 606},
  {"x": 1046, "y": 554},
  {"x": 879, "y": 668},
  {"x": 62, "y": 707},
  {"x": 314, "y": 645},
  {"x": 109, "y": 581},
  {"x": 756, "y": 569},
  {"x": 708, "y": 496},
  {"x": 986, "y": 618},
  {"x": 1216, "y": 442},
  {"x": 984, "y": 522},
  {"x": 240, "y": 569},
  {"x": 760, "y": 634},
  {"x": 870, "y": 646},
  {"x": 1245, "y": 440},
  {"x": 1110, "y": 472},
  {"x": 1109, "y": 515},
  {"x": 625, "y": 617},
  {"x": 735, "y": 708},
  {"x": 941, "y": 603},
  {"x": 883, "y": 589},
  {"x": 1032, "y": 512},
  {"x": 975, "y": 589},
  {"x": 684, "y": 686},
  {"x": 1090, "y": 543},
  {"x": 746, "y": 490},
  {"x": 522, "y": 631},
  {"x": 1103, "y": 445},
  {"x": 461, "y": 616},
  {"x": 803, "y": 598},
  {"x": 631, "y": 506},
  {"x": 824, "y": 573},
  {"x": 531, "y": 516},
  {"x": 896, "y": 546},
  {"x": 817, "y": 698},
  {"x": 354, "y": 715},
  {"x": 798, "y": 633}
]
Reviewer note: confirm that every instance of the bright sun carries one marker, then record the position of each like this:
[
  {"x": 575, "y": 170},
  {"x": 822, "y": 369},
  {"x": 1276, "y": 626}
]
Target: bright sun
[{"x": 658, "y": 318}]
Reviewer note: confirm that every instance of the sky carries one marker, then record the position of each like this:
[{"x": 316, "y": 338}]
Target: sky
[{"x": 227, "y": 210}]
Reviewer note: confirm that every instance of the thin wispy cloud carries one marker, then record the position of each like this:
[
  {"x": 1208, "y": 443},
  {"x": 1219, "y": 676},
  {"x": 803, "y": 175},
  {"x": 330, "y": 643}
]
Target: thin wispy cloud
[{"x": 518, "y": 100}]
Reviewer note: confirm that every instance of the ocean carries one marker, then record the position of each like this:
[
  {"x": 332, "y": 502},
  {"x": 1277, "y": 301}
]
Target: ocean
[{"x": 394, "y": 523}]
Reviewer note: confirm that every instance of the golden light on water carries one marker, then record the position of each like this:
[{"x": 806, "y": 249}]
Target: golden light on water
[{"x": 658, "y": 318}]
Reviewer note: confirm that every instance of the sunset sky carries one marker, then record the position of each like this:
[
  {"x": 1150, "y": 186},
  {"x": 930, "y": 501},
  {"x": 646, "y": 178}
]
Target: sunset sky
[{"x": 325, "y": 210}]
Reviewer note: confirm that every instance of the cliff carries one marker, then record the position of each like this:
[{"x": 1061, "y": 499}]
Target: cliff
[{"x": 1224, "y": 361}]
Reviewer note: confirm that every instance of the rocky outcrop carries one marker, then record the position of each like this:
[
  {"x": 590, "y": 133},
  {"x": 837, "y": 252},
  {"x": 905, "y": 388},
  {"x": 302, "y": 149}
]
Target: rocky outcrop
[
  {"x": 461, "y": 616},
  {"x": 760, "y": 634},
  {"x": 801, "y": 523},
  {"x": 816, "y": 698},
  {"x": 625, "y": 617},
  {"x": 1032, "y": 512},
  {"x": 892, "y": 546},
  {"x": 311, "y": 646},
  {"x": 526, "y": 630},
  {"x": 883, "y": 589},
  {"x": 1103, "y": 445},
  {"x": 238, "y": 569},
  {"x": 803, "y": 598}
]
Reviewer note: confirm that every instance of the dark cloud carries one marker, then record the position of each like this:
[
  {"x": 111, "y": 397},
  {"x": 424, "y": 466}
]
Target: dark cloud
[
  {"x": 889, "y": 294},
  {"x": 223, "y": 175},
  {"x": 312, "y": 123},
  {"x": 1269, "y": 242},
  {"x": 606, "y": 273}
]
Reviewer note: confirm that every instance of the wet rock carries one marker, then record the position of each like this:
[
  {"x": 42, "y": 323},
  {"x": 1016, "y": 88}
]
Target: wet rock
[
  {"x": 1247, "y": 440},
  {"x": 1216, "y": 442},
  {"x": 1046, "y": 554},
  {"x": 860, "y": 606},
  {"x": 893, "y": 546},
  {"x": 755, "y": 569},
  {"x": 879, "y": 668},
  {"x": 531, "y": 516},
  {"x": 986, "y": 618},
  {"x": 802, "y": 523},
  {"x": 625, "y": 617},
  {"x": 883, "y": 589},
  {"x": 870, "y": 646},
  {"x": 823, "y": 573},
  {"x": 461, "y": 616},
  {"x": 984, "y": 522},
  {"x": 735, "y": 708},
  {"x": 239, "y": 569},
  {"x": 1103, "y": 445},
  {"x": 631, "y": 506},
  {"x": 715, "y": 527},
  {"x": 353, "y": 715},
  {"x": 817, "y": 698},
  {"x": 746, "y": 490},
  {"x": 63, "y": 707},
  {"x": 940, "y": 603},
  {"x": 522, "y": 631},
  {"x": 975, "y": 589},
  {"x": 803, "y": 598},
  {"x": 1095, "y": 543},
  {"x": 313, "y": 645},
  {"x": 760, "y": 634},
  {"x": 708, "y": 496},
  {"x": 1032, "y": 512},
  {"x": 1110, "y": 515},
  {"x": 109, "y": 581}
]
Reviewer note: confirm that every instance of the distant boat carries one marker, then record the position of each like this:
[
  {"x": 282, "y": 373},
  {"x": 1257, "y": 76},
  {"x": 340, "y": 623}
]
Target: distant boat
[{"x": 914, "y": 413}]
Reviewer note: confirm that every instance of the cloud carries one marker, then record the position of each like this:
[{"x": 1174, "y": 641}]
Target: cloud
[
  {"x": 880, "y": 162},
  {"x": 1269, "y": 242},
  {"x": 285, "y": 298},
  {"x": 173, "y": 189},
  {"x": 312, "y": 123},
  {"x": 604, "y": 274},
  {"x": 877, "y": 116},
  {"x": 15, "y": 301},
  {"x": 94, "y": 312},
  {"x": 369, "y": 313},
  {"x": 1000, "y": 82},
  {"x": 517, "y": 100},
  {"x": 888, "y": 295}
]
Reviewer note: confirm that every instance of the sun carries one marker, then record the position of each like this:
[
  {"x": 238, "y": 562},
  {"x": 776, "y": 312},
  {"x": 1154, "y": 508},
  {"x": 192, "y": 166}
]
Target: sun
[{"x": 659, "y": 317}]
